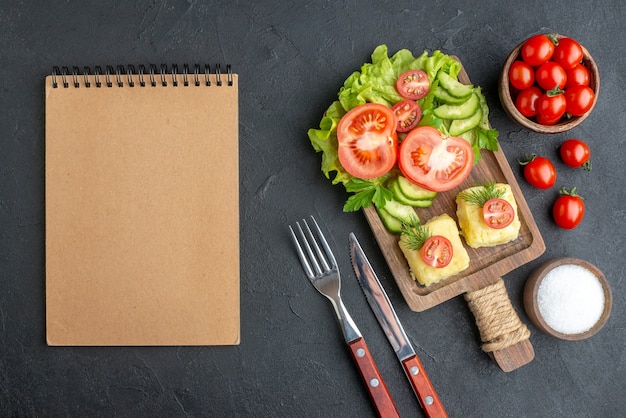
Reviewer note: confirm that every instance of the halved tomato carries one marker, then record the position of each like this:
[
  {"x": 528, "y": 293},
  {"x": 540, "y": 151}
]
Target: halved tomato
[
  {"x": 437, "y": 251},
  {"x": 408, "y": 113},
  {"x": 433, "y": 161},
  {"x": 367, "y": 140},
  {"x": 498, "y": 213},
  {"x": 413, "y": 84}
]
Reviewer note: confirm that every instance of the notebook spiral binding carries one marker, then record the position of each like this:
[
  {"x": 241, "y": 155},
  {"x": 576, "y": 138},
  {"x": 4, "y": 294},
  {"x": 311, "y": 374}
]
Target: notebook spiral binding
[{"x": 153, "y": 76}]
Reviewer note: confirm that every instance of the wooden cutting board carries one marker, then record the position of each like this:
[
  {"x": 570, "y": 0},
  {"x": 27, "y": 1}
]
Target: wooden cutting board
[{"x": 487, "y": 265}]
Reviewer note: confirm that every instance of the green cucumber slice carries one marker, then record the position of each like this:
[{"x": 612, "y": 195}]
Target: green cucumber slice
[
  {"x": 392, "y": 224},
  {"x": 403, "y": 213},
  {"x": 400, "y": 197},
  {"x": 462, "y": 111},
  {"x": 459, "y": 126},
  {"x": 454, "y": 87},
  {"x": 413, "y": 191},
  {"x": 443, "y": 96}
]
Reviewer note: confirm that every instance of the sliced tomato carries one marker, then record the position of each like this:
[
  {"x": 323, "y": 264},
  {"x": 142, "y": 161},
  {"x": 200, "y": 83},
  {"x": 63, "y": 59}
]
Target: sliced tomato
[
  {"x": 498, "y": 213},
  {"x": 413, "y": 84},
  {"x": 437, "y": 251},
  {"x": 433, "y": 161},
  {"x": 408, "y": 113},
  {"x": 367, "y": 140}
]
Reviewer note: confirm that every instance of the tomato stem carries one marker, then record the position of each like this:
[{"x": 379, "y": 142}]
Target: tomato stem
[
  {"x": 528, "y": 159},
  {"x": 572, "y": 192}
]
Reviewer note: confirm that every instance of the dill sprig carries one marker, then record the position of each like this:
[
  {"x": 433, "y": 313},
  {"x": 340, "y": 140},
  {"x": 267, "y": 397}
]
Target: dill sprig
[
  {"x": 415, "y": 234},
  {"x": 482, "y": 195}
]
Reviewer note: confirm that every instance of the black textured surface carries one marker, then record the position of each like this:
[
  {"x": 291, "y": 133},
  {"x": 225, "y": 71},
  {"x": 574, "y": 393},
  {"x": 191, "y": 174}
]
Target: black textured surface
[{"x": 292, "y": 58}]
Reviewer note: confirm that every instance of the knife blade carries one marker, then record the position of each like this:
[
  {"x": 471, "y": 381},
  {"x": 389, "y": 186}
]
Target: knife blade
[{"x": 388, "y": 320}]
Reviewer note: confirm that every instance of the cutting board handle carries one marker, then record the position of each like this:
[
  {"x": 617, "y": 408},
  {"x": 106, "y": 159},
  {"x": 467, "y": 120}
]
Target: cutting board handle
[{"x": 505, "y": 338}]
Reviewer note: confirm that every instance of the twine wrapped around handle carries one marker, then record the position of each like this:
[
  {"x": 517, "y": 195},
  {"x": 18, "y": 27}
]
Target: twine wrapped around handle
[{"x": 497, "y": 321}]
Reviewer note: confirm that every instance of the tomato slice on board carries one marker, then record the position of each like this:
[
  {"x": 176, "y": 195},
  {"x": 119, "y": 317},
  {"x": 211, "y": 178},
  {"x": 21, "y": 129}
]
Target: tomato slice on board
[
  {"x": 433, "y": 161},
  {"x": 408, "y": 113},
  {"x": 413, "y": 84},
  {"x": 437, "y": 251},
  {"x": 367, "y": 140},
  {"x": 498, "y": 213}
]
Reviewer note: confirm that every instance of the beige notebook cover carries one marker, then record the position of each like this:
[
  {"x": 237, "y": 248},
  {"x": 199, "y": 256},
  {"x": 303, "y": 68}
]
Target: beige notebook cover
[{"x": 142, "y": 209}]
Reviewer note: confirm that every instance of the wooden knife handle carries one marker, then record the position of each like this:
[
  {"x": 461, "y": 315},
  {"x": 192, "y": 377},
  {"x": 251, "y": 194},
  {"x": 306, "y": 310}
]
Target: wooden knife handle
[
  {"x": 372, "y": 378},
  {"x": 423, "y": 388}
]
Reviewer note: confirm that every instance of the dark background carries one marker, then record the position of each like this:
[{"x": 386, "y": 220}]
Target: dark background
[{"x": 292, "y": 57}]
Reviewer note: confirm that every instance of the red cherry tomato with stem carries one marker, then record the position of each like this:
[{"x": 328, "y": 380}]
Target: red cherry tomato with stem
[
  {"x": 567, "y": 53},
  {"x": 437, "y": 251},
  {"x": 526, "y": 101},
  {"x": 551, "y": 106},
  {"x": 537, "y": 50},
  {"x": 568, "y": 209},
  {"x": 551, "y": 75},
  {"x": 575, "y": 153},
  {"x": 539, "y": 171},
  {"x": 521, "y": 75}
]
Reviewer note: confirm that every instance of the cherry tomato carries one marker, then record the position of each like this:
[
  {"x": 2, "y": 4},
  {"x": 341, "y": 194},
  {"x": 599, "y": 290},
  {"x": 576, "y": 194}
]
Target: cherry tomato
[
  {"x": 539, "y": 172},
  {"x": 551, "y": 75},
  {"x": 579, "y": 100},
  {"x": 526, "y": 101},
  {"x": 435, "y": 162},
  {"x": 521, "y": 75},
  {"x": 550, "y": 108},
  {"x": 367, "y": 140},
  {"x": 575, "y": 153},
  {"x": 498, "y": 213},
  {"x": 408, "y": 113},
  {"x": 568, "y": 209},
  {"x": 577, "y": 76},
  {"x": 437, "y": 251},
  {"x": 568, "y": 53},
  {"x": 537, "y": 50},
  {"x": 413, "y": 84}
]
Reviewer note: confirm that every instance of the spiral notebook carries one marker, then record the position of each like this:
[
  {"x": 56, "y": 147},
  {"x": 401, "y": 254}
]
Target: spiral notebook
[{"x": 142, "y": 206}]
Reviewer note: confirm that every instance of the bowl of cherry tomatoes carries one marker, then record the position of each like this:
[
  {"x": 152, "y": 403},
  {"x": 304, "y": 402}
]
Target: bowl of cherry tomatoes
[{"x": 549, "y": 83}]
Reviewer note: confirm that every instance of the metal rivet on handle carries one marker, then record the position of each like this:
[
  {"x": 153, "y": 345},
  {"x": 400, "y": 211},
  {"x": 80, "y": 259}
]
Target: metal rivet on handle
[
  {"x": 429, "y": 400},
  {"x": 414, "y": 370},
  {"x": 360, "y": 352},
  {"x": 374, "y": 383}
]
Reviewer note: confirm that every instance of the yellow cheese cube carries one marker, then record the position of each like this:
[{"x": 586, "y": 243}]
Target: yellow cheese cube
[
  {"x": 473, "y": 227},
  {"x": 441, "y": 225}
]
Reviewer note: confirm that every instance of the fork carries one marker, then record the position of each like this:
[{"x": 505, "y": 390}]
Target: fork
[{"x": 322, "y": 270}]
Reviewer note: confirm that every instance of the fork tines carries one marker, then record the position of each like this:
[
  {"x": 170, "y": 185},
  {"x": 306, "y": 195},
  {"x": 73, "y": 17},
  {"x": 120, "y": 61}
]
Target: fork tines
[{"x": 311, "y": 265}]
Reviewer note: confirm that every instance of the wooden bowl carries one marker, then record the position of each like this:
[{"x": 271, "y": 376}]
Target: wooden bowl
[
  {"x": 507, "y": 95},
  {"x": 531, "y": 298}
]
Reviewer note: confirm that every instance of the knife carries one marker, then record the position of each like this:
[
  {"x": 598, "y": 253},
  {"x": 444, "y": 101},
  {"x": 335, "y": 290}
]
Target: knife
[{"x": 388, "y": 320}]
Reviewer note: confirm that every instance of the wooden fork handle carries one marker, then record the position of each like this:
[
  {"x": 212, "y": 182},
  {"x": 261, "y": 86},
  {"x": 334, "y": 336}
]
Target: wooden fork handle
[{"x": 372, "y": 378}]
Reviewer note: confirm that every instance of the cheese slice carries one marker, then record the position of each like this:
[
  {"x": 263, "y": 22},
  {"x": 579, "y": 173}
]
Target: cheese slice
[
  {"x": 441, "y": 225},
  {"x": 474, "y": 229}
]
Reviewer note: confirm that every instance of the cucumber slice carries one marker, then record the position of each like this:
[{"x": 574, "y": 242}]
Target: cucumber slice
[
  {"x": 392, "y": 224},
  {"x": 462, "y": 111},
  {"x": 400, "y": 197},
  {"x": 443, "y": 96},
  {"x": 403, "y": 213},
  {"x": 454, "y": 87},
  {"x": 458, "y": 126},
  {"x": 413, "y": 191}
]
